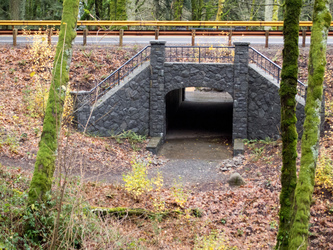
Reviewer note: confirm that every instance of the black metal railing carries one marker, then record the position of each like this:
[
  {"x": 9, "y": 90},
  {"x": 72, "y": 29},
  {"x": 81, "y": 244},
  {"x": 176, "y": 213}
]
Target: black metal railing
[
  {"x": 272, "y": 69},
  {"x": 199, "y": 54},
  {"x": 118, "y": 75}
]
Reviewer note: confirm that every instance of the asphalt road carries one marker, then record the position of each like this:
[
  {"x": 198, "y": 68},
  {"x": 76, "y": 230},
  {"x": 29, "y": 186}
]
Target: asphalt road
[{"x": 200, "y": 40}]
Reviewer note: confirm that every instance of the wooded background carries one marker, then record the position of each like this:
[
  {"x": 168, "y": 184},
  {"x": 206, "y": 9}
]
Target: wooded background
[{"x": 196, "y": 10}]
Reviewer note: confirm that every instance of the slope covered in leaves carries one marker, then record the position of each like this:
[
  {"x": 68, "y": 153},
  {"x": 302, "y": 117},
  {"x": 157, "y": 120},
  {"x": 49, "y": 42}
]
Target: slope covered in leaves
[{"x": 246, "y": 216}]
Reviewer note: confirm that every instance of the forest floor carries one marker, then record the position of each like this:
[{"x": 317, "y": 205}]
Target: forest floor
[{"x": 245, "y": 217}]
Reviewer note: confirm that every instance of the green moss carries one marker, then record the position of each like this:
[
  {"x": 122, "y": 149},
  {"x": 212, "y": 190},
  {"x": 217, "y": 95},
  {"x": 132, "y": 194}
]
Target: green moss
[
  {"x": 118, "y": 10},
  {"x": 45, "y": 160},
  {"x": 310, "y": 139},
  {"x": 287, "y": 93},
  {"x": 121, "y": 212}
]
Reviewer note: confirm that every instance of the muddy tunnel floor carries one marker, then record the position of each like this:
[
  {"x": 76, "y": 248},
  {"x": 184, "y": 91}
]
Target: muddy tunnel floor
[{"x": 201, "y": 128}]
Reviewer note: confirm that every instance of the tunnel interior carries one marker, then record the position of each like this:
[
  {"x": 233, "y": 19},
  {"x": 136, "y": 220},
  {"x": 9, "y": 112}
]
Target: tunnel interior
[{"x": 198, "y": 113}]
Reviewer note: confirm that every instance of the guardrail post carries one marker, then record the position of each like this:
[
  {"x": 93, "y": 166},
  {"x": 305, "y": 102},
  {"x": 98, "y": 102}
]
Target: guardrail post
[
  {"x": 304, "y": 37},
  {"x": 85, "y": 34},
  {"x": 230, "y": 38},
  {"x": 193, "y": 37},
  {"x": 121, "y": 35},
  {"x": 157, "y": 32},
  {"x": 266, "y": 36},
  {"x": 49, "y": 36},
  {"x": 14, "y": 37}
]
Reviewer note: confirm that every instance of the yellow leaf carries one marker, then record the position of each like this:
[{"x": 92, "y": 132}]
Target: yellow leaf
[{"x": 32, "y": 73}]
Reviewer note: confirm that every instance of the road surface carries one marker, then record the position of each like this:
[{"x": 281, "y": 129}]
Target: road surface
[{"x": 199, "y": 40}]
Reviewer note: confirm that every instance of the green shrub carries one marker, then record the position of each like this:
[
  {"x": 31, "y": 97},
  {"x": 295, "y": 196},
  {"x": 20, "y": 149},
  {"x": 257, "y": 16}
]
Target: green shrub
[
  {"x": 213, "y": 241},
  {"x": 137, "y": 181},
  {"x": 324, "y": 172}
]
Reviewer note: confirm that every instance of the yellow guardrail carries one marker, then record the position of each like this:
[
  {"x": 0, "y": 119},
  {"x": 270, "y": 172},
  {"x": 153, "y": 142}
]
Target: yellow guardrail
[{"x": 151, "y": 23}]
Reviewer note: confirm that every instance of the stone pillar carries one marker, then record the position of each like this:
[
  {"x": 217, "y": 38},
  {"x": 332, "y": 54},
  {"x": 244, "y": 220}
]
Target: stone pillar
[
  {"x": 157, "y": 95},
  {"x": 239, "y": 130},
  {"x": 81, "y": 107}
]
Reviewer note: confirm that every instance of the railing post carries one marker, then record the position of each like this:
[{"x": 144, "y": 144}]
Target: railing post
[
  {"x": 85, "y": 34},
  {"x": 304, "y": 37},
  {"x": 157, "y": 34},
  {"x": 14, "y": 37},
  {"x": 49, "y": 36},
  {"x": 121, "y": 35},
  {"x": 199, "y": 55},
  {"x": 193, "y": 37},
  {"x": 230, "y": 37},
  {"x": 266, "y": 38}
]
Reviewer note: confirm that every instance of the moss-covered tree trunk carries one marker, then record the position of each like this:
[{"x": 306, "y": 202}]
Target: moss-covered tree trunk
[
  {"x": 45, "y": 161},
  {"x": 118, "y": 10},
  {"x": 178, "y": 9},
  {"x": 196, "y": 8},
  {"x": 275, "y": 16},
  {"x": 310, "y": 139},
  {"x": 219, "y": 10},
  {"x": 276, "y": 7},
  {"x": 99, "y": 9},
  {"x": 252, "y": 10},
  {"x": 289, "y": 135}
]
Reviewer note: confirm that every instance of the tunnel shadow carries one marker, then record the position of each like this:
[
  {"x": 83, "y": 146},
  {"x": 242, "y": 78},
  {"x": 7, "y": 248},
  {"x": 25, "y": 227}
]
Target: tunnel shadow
[
  {"x": 200, "y": 114},
  {"x": 199, "y": 126}
]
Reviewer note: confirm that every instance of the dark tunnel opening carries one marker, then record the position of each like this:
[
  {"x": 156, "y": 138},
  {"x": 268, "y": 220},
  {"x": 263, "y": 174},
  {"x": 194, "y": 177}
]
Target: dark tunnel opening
[
  {"x": 194, "y": 114},
  {"x": 198, "y": 124}
]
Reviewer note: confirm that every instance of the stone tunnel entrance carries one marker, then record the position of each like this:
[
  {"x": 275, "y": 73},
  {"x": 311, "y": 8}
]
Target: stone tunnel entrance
[
  {"x": 198, "y": 124},
  {"x": 150, "y": 101}
]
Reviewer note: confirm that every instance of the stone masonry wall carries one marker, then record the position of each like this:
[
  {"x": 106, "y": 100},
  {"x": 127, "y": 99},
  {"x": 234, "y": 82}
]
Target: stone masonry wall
[
  {"x": 125, "y": 107},
  {"x": 181, "y": 75},
  {"x": 241, "y": 82},
  {"x": 264, "y": 106},
  {"x": 139, "y": 103},
  {"x": 157, "y": 96}
]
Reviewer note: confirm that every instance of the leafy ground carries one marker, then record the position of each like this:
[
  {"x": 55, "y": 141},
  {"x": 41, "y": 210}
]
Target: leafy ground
[{"x": 244, "y": 217}]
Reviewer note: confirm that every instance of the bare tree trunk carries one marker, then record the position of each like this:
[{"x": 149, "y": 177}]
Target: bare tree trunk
[
  {"x": 268, "y": 12},
  {"x": 45, "y": 160},
  {"x": 14, "y": 7}
]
